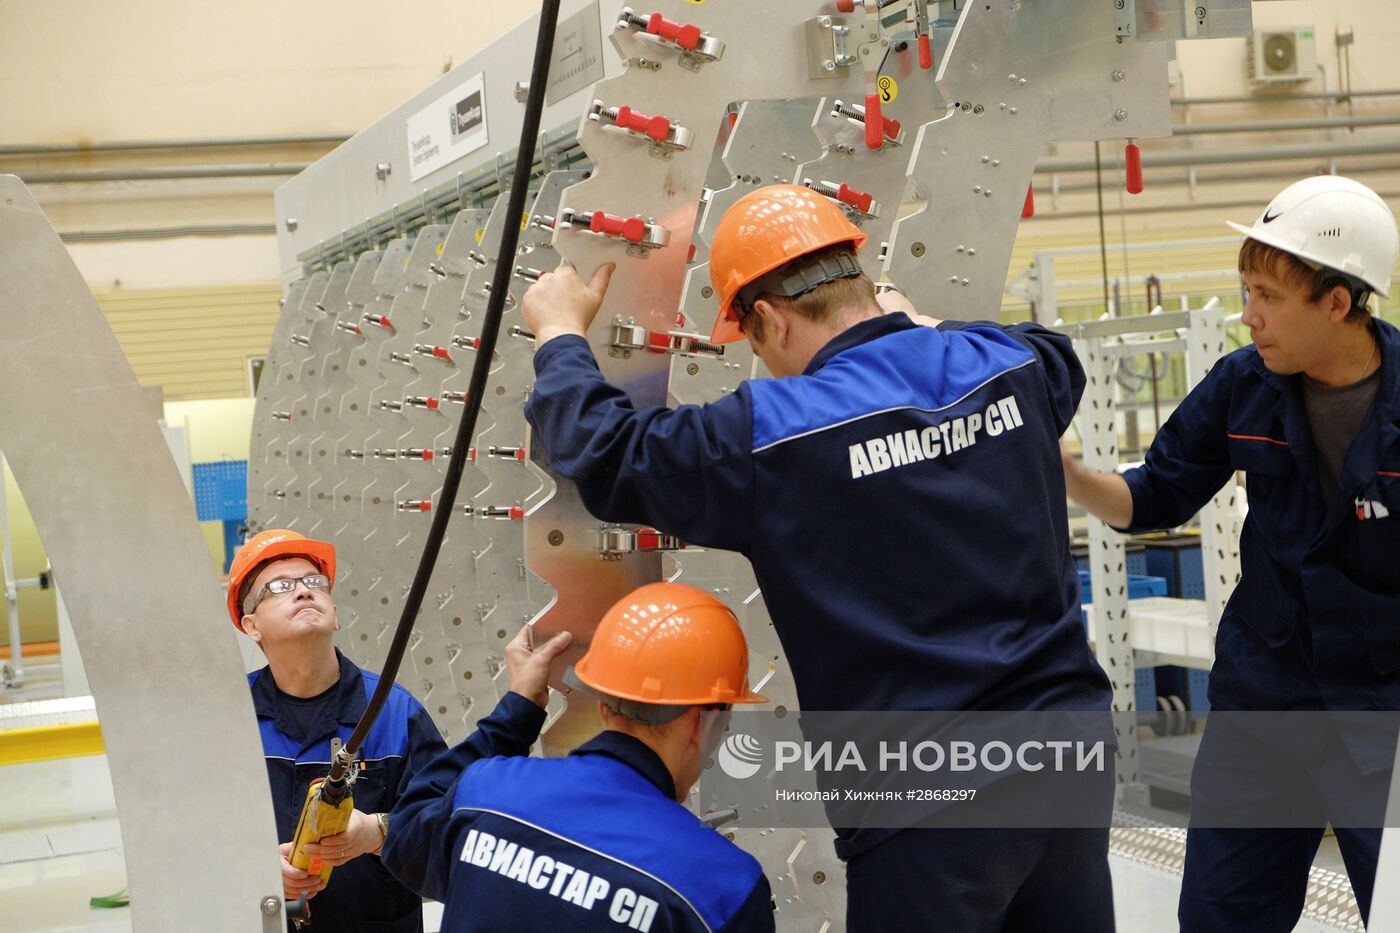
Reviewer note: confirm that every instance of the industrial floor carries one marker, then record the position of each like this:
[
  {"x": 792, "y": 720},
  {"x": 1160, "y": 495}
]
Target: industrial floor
[{"x": 60, "y": 845}]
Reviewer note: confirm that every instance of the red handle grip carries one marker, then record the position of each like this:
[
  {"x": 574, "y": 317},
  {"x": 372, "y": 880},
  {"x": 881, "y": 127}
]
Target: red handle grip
[
  {"x": 1132, "y": 159},
  {"x": 845, "y": 6},
  {"x": 442, "y": 354},
  {"x": 683, "y": 34},
  {"x": 632, "y": 229},
  {"x": 874, "y": 124},
  {"x": 857, "y": 199},
  {"x": 925, "y": 53},
  {"x": 656, "y": 127},
  {"x": 1028, "y": 209}
]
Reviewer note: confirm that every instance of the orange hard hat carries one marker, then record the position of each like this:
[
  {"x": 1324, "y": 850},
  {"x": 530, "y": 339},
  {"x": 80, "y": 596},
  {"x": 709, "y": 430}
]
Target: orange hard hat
[
  {"x": 765, "y": 229},
  {"x": 668, "y": 644},
  {"x": 274, "y": 544}
]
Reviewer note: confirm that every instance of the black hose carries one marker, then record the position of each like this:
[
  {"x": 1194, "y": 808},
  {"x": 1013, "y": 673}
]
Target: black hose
[{"x": 495, "y": 307}]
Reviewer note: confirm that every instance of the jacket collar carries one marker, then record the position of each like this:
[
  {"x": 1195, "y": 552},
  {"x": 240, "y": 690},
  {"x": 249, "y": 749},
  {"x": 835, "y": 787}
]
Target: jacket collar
[
  {"x": 347, "y": 705},
  {"x": 857, "y": 334},
  {"x": 635, "y": 754}
]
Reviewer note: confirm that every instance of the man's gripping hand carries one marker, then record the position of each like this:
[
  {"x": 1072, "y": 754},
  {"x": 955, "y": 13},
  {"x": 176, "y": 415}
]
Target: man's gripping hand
[
  {"x": 527, "y": 664},
  {"x": 562, "y": 303}
]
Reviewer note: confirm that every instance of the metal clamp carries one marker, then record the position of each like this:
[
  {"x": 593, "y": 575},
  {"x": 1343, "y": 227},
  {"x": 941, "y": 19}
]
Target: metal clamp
[
  {"x": 665, "y": 137},
  {"x": 894, "y": 133},
  {"x": 416, "y": 505},
  {"x": 828, "y": 52},
  {"x": 436, "y": 352},
  {"x": 510, "y": 299},
  {"x": 614, "y": 543},
  {"x": 855, "y": 202},
  {"x": 507, "y": 453},
  {"x": 512, "y": 513},
  {"x": 640, "y": 235},
  {"x": 299, "y": 340},
  {"x": 381, "y": 320},
  {"x": 348, "y": 327},
  {"x": 695, "y": 46},
  {"x": 627, "y": 336}
]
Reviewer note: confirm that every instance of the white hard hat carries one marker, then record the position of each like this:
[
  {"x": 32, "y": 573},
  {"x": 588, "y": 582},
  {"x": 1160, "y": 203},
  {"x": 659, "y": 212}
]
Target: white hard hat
[{"x": 1331, "y": 221}]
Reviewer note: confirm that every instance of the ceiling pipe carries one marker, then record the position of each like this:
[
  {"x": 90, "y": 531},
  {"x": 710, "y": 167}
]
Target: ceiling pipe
[
  {"x": 165, "y": 233},
  {"x": 161, "y": 174},
  {"x": 1283, "y": 98},
  {"x": 1283, "y": 126},
  {"x": 159, "y": 145},
  {"x": 1225, "y": 156}
]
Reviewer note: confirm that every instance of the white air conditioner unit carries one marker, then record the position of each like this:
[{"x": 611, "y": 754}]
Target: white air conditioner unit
[{"x": 1282, "y": 55}]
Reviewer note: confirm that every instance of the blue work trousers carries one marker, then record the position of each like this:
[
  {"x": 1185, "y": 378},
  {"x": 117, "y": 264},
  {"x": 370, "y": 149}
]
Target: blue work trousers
[{"x": 982, "y": 881}]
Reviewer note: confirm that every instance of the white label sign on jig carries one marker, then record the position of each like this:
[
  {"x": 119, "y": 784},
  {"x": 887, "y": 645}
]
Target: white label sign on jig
[{"x": 450, "y": 127}]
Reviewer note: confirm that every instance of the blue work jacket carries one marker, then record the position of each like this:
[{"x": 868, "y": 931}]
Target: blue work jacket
[
  {"x": 594, "y": 841},
  {"x": 361, "y": 897},
  {"x": 901, "y": 501},
  {"x": 1315, "y": 620}
]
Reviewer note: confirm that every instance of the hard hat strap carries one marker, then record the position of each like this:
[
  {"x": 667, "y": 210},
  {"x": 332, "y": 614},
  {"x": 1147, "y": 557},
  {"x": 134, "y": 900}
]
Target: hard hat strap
[{"x": 799, "y": 277}]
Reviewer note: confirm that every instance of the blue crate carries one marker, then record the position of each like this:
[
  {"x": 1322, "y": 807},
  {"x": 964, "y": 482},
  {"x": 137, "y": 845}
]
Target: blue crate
[
  {"x": 1139, "y": 586},
  {"x": 1178, "y": 559},
  {"x": 221, "y": 490}
]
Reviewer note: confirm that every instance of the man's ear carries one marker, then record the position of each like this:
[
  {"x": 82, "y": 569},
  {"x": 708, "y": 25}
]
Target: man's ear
[
  {"x": 1338, "y": 303},
  {"x": 250, "y": 628},
  {"x": 776, "y": 325}
]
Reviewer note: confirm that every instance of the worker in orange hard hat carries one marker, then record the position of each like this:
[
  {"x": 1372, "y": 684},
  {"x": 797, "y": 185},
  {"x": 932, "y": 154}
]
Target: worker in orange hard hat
[
  {"x": 885, "y": 487},
  {"x": 279, "y": 595},
  {"x": 508, "y": 841}
]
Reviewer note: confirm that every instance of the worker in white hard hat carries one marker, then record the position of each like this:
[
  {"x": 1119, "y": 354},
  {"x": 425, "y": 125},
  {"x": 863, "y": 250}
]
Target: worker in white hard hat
[{"x": 1311, "y": 414}]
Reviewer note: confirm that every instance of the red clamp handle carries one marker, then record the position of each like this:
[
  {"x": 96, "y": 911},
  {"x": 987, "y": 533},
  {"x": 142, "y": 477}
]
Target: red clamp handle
[
  {"x": 925, "y": 53},
  {"x": 1132, "y": 159},
  {"x": 1028, "y": 209},
  {"x": 381, "y": 320},
  {"x": 442, "y": 354},
  {"x": 427, "y": 454},
  {"x": 845, "y": 6},
  {"x": 425, "y": 506},
  {"x": 516, "y": 513},
  {"x": 649, "y": 539},
  {"x": 857, "y": 199},
  {"x": 683, "y": 34},
  {"x": 432, "y": 403},
  {"x": 658, "y": 128},
  {"x": 632, "y": 229},
  {"x": 874, "y": 123}
]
